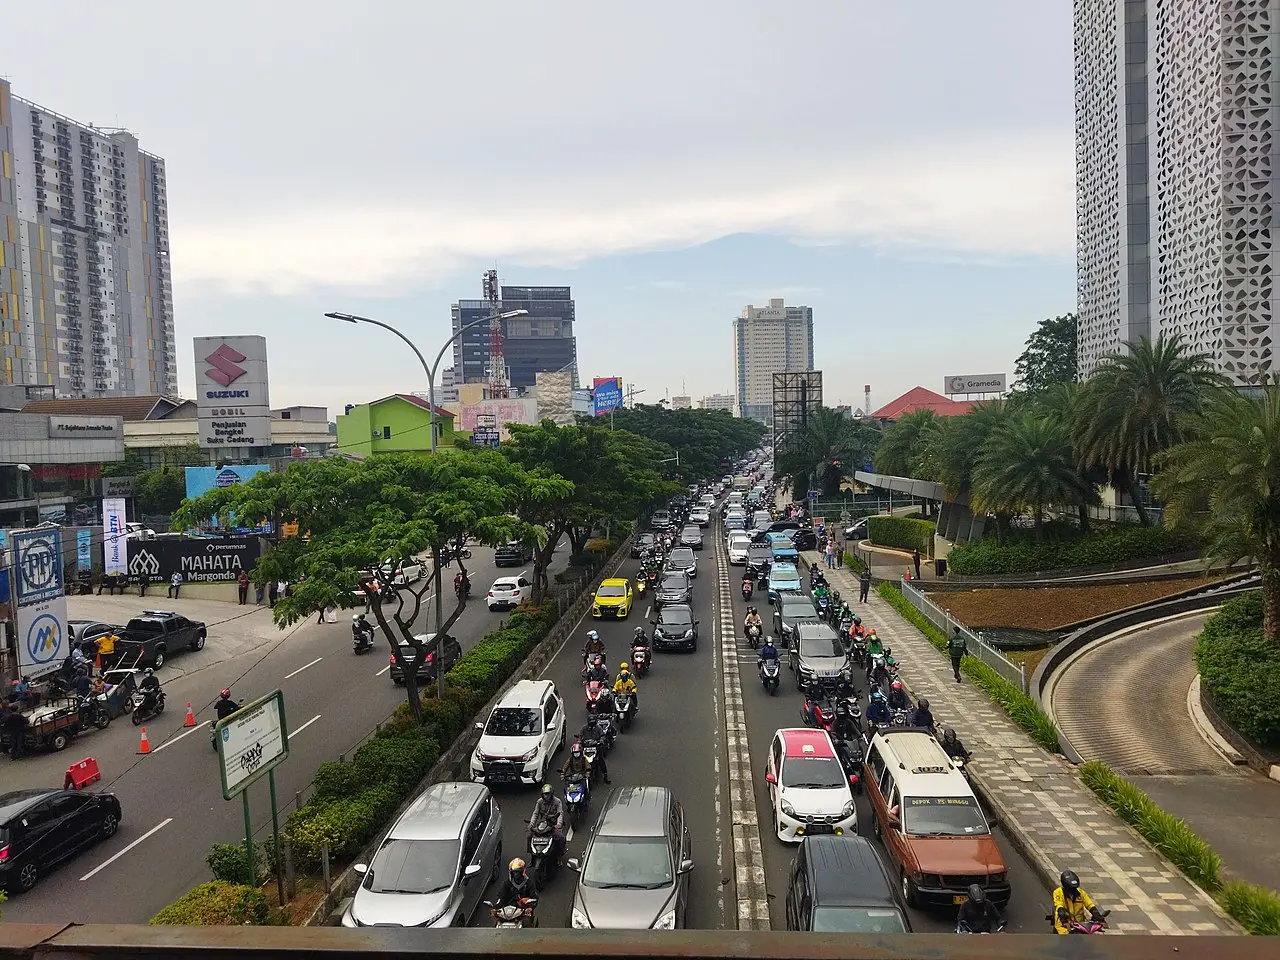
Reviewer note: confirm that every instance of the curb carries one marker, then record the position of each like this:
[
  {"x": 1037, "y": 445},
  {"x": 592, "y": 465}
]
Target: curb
[{"x": 1204, "y": 726}]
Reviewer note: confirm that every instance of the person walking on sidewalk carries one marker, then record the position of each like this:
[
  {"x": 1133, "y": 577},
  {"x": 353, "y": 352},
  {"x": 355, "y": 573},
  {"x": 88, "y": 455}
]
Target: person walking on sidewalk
[
  {"x": 864, "y": 584},
  {"x": 242, "y": 584},
  {"x": 915, "y": 560},
  {"x": 831, "y": 553},
  {"x": 957, "y": 647}
]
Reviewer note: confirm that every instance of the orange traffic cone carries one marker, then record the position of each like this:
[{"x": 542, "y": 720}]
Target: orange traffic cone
[
  {"x": 145, "y": 745},
  {"x": 191, "y": 717}
]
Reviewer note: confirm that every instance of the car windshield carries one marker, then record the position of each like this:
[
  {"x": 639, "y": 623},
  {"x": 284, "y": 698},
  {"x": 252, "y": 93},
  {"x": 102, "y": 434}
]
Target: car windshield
[
  {"x": 782, "y": 546},
  {"x": 413, "y": 866},
  {"x": 680, "y": 557},
  {"x": 857, "y": 920},
  {"x": 673, "y": 583},
  {"x": 943, "y": 817},
  {"x": 822, "y": 644},
  {"x": 611, "y": 590},
  {"x": 504, "y": 585},
  {"x": 638, "y": 863},
  {"x": 514, "y": 722},
  {"x": 674, "y": 618},
  {"x": 692, "y": 532},
  {"x": 799, "y": 611},
  {"x": 812, "y": 773}
]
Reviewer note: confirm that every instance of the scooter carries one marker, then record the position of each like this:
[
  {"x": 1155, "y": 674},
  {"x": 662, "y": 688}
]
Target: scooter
[
  {"x": 1089, "y": 926},
  {"x": 624, "y": 709},
  {"x": 141, "y": 716},
  {"x": 577, "y": 795},
  {"x": 362, "y": 642},
  {"x": 514, "y": 915},
  {"x": 640, "y": 660},
  {"x": 962, "y": 927},
  {"x": 818, "y": 710},
  {"x": 748, "y": 586},
  {"x": 596, "y": 696},
  {"x": 542, "y": 841},
  {"x": 753, "y": 636},
  {"x": 769, "y": 671}
]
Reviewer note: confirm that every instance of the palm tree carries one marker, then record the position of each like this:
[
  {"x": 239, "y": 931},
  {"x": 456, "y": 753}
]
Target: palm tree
[
  {"x": 1135, "y": 406},
  {"x": 900, "y": 449},
  {"x": 1027, "y": 464},
  {"x": 955, "y": 451},
  {"x": 832, "y": 446},
  {"x": 1225, "y": 482}
]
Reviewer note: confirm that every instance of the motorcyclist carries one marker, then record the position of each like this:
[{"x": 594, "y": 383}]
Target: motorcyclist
[
  {"x": 593, "y": 645},
  {"x": 150, "y": 688},
  {"x": 753, "y": 620},
  {"x": 361, "y": 630},
  {"x": 519, "y": 885},
  {"x": 639, "y": 638},
  {"x": 549, "y": 809},
  {"x": 898, "y": 699},
  {"x": 844, "y": 727},
  {"x": 1071, "y": 904},
  {"x": 954, "y": 746},
  {"x": 767, "y": 650},
  {"x": 874, "y": 646},
  {"x": 225, "y": 706},
  {"x": 627, "y": 684},
  {"x": 599, "y": 730},
  {"x": 598, "y": 672},
  {"x": 577, "y": 764},
  {"x": 877, "y": 672},
  {"x": 878, "y": 709},
  {"x": 921, "y": 716},
  {"x": 461, "y": 583},
  {"x": 978, "y": 914}
]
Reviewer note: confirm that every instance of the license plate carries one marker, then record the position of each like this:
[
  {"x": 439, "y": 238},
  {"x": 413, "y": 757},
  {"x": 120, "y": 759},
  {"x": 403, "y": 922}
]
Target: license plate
[
  {"x": 818, "y": 828},
  {"x": 959, "y": 898},
  {"x": 501, "y": 778}
]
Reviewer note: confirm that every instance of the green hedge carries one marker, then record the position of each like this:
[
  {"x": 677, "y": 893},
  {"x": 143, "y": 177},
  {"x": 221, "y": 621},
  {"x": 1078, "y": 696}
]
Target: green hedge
[
  {"x": 854, "y": 562},
  {"x": 226, "y": 862},
  {"x": 1021, "y": 708},
  {"x": 1241, "y": 670},
  {"x": 1022, "y": 554},
  {"x": 904, "y": 533},
  {"x": 216, "y": 904}
]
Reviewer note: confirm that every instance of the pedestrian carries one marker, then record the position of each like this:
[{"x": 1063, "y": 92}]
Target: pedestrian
[
  {"x": 831, "y": 553},
  {"x": 175, "y": 584},
  {"x": 957, "y": 647},
  {"x": 142, "y": 584},
  {"x": 242, "y": 584},
  {"x": 15, "y": 726},
  {"x": 260, "y": 591},
  {"x": 915, "y": 559},
  {"x": 273, "y": 593},
  {"x": 106, "y": 651},
  {"x": 864, "y": 584}
]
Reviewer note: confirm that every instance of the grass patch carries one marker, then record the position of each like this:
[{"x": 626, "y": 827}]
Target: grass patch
[
  {"x": 853, "y": 562},
  {"x": 1029, "y": 658},
  {"x": 1254, "y": 908},
  {"x": 1020, "y": 707}
]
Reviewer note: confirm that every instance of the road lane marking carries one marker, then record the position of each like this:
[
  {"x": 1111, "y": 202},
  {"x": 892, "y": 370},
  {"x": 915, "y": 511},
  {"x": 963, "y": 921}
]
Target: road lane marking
[
  {"x": 110, "y": 860},
  {"x": 648, "y": 610},
  {"x": 304, "y": 726},
  {"x": 303, "y": 667},
  {"x": 172, "y": 740},
  {"x": 568, "y": 836},
  {"x": 383, "y": 670}
]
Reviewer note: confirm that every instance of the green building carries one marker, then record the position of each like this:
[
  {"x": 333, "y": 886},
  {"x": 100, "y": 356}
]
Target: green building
[{"x": 399, "y": 423}]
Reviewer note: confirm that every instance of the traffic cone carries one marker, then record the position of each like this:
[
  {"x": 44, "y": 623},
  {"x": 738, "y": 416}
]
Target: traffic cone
[
  {"x": 191, "y": 717},
  {"x": 145, "y": 745}
]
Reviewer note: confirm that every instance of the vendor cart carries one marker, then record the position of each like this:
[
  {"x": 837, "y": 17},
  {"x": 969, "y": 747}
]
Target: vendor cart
[{"x": 49, "y": 727}]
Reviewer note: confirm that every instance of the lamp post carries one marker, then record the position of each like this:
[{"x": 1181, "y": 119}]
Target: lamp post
[{"x": 26, "y": 468}]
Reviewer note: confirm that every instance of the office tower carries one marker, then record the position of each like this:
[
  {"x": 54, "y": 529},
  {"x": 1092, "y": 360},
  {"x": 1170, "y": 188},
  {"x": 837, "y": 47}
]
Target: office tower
[
  {"x": 769, "y": 340},
  {"x": 86, "y": 302},
  {"x": 541, "y": 342},
  {"x": 1175, "y": 178},
  {"x": 717, "y": 401}
]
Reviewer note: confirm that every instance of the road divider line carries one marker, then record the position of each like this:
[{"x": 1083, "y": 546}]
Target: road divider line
[
  {"x": 304, "y": 726},
  {"x": 172, "y": 740},
  {"x": 112, "y": 859},
  {"x": 383, "y": 670},
  {"x": 303, "y": 667}
]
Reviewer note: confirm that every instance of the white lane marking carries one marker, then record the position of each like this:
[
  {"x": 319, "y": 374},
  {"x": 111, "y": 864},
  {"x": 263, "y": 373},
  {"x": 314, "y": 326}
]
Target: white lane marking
[
  {"x": 383, "y": 670},
  {"x": 648, "y": 610},
  {"x": 303, "y": 667},
  {"x": 172, "y": 740},
  {"x": 110, "y": 860},
  {"x": 568, "y": 835},
  {"x": 304, "y": 726}
]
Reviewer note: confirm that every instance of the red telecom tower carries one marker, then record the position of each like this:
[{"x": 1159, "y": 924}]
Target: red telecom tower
[{"x": 499, "y": 386}]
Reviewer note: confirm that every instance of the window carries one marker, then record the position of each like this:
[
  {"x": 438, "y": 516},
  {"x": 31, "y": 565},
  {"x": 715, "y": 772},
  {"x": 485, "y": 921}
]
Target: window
[
  {"x": 413, "y": 866},
  {"x": 876, "y": 761},
  {"x": 475, "y": 834},
  {"x": 886, "y": 784},
  {"x": 944, "y": 817},
  {"x": 777, "y": 754},
  {"x": 68, "y": 804},
  {"x": 514, "y": 722},
  {"x": 635, "y": 863},
  {"x": 552, "y": 708},
  {"x": 813, "y": 773}
]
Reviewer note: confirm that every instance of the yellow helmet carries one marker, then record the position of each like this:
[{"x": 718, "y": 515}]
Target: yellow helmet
[{"x": 623, "y": 667}]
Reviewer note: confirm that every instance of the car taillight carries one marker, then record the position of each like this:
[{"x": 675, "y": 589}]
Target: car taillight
[
  {"x": 430, "y": 657},
  {"x": 393, "y": 660},
  {"x": 4, "y": 853}
]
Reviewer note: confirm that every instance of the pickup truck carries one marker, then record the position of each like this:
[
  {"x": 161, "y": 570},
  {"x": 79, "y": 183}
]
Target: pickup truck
[{"x": 149, "y": 639}]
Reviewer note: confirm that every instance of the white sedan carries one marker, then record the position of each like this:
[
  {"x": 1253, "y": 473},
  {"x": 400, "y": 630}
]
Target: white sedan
[
  {"x": 738, "y": 545},
  {"x": 700, "y": 517},
  {"x": 509, "y": 592}
]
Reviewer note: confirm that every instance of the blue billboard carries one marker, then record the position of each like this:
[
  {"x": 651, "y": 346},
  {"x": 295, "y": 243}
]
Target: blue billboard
[
  {"x": 200, "y": 480},
  {"x": 606, "y": 395}
]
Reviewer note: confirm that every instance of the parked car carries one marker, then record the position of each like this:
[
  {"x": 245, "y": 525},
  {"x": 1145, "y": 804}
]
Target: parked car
[
  {"x": 808, "y": 788},
  {"x": 513, "y": 553},
  {"x": 405, "y": 572},
  {"x": 840, "y": 885},
  {"x": 148, "y": 640},
  {"x": 634, "y": 874},
  {"x": 519, "y": 739},
  {"x": 41, "y": 828},
  {"x": 509, "y": 592},
  {"x": 674, "y": 628},
  {"x": 424, "y": 671},
  {"x": 434, "y": 865},
  {"x": 86, "y": 633},
  {"x": 613, "y": 598},
  {"x": 856, "y": 530},
  {"x": 642, "y": 544}
]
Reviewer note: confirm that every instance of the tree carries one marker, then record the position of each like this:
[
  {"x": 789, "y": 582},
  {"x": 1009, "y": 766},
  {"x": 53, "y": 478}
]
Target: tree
[
  {"x": 1224, "y": 483},
  {"x": 958, "y": 444},
  {"x": 359, "y": 514},
  {"x": 1136, "y": 406},
  {"x": 832, "y": 446},
  {"x": 899, "y": 451},
  {"x": 161, "y": 490},
  {"x": 705, "y": 439},
  {"x": 1051, "y": 355}
]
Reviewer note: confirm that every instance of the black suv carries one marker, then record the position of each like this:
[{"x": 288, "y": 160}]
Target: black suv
[
  {"x": 839, "y": 885},
  {"x": 41, "y": 828},
  {"x": 675, "y": 628},
  {"x": 426, "y": 670},
  {"x": 512, "y": 554},
  {"x": 148, "y": 640},
  {"x": 642, "y": 544}
]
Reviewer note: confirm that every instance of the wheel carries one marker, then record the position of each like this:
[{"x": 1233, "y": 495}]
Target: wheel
[
  {"x": 27, "y": 878},
  {"x": 198, "y": 642},
  {"x": 58, "y": 742},
  {"x": 773, "y": 689},
  {"x": 110, "y": 824},
  {"x": 137, "y": 718},
  {"x": 909, "y": 896},
  {"x": 102, "y": 719},
  {"x": 126, "y": 705},
  {"x": 157, "y": 661}
]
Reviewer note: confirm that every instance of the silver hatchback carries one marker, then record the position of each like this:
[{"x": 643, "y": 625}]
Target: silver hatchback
[{"x": 433, "y": 867}]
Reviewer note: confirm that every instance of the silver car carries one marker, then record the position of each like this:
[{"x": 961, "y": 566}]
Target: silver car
[
  {"x": 634, "y": 874},
  {"x": 691, "y": 536},
  {"x": 682, "y": 560},
  {"x": 433, "y": 868}
]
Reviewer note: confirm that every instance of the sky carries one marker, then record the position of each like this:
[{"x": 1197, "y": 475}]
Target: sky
[{"x": 906, "y": 169}]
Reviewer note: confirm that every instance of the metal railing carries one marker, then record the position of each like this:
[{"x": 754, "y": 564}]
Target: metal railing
[{"x": 1014, "y": 672}]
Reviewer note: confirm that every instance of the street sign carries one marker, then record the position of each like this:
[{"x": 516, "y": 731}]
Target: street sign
[
  {"x": 484, "y": 437},
  {"x": 813, "y": 495},
  {"x": 486, "y": 421},
  {"x": 251, "y": 742}
]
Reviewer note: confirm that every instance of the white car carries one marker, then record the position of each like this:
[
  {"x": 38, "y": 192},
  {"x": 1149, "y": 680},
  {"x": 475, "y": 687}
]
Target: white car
[
  {"x": 808, "y": 788},
  {"x": 699, "y": 516},
  {"x": 407, "y": 571},
  {"x": 519, "y": 741},
  {"x": 509, "y": 592},
  {"x": 739, "y": 544}
]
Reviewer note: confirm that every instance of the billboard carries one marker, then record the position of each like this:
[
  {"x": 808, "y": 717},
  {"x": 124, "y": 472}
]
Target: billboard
[
  {"x": 115, "y": 545},
  {"x": 606, "y": 395},
  {"x": 198, "y": 559},
  {"x": 84, "y": 550},
  {"x": 42, "y": 643},
  {"x": 200, "y": 480},
  {"x": 232, "y": 401},
  {"x": 796, "y": 397},
  {"x": 555, "y": 396},
  {"x": 40, "y": 620},
  {"x": 974, "y": 383},
  {"x": 512, "y": 410},
  {"x": 37, "y": 565},
  {"x": 118, "y": 486}
]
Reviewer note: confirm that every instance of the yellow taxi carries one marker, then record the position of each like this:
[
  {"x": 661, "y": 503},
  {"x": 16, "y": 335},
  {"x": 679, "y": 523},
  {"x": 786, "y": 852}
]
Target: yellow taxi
[{"x": 613, "y": 599}]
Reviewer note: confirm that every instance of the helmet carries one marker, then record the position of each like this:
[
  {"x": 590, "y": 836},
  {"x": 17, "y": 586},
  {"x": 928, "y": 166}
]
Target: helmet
[
  {"x": 877, "y": 695},
  {"x": 949, "y": 735},
  {"x": 356, "y": 616},
  {"x": 516, "y": 870},
  {"x": 857, "y": 621},
  {"x": 225, "y": 694},
  {"x": 896, "y": 685},
  {"x": 150, "y": 672},
  {"x": 623, "y": 667},
  {"x": 769, "y": 640},
  {"x": 592, "y": 635},
  {"x": 639, "y": 631},
  {"x": 873, "y": 632},
  {"x": 1070, "y": 884},
  {"x": 546, "y": 789},
  {"x": 924, "y": 704},
  {"x": 751, "y": 609},
  {"x": 576, "y": 749},
  {"x": 977, "y": 896}
]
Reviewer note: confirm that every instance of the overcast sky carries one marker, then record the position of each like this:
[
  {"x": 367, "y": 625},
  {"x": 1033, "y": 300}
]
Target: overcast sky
[{"x": 904, "y": 168}]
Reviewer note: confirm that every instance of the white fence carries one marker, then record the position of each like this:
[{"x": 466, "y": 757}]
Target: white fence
[{"x": 1015, "y": 673}]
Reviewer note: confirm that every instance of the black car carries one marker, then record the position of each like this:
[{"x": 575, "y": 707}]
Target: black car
[
  {"x": 642, "y": 544},
  {"x": 759, "y": 559},
  {"x": 675, "y": 629},
  {"x": 804, "y": 538},
  {"x": 512, "y": 554},
  {"x": 41, "y": 828},
  {"x": 148, "y": 640},
  {"x": 426, "y": 670},
  {"x": 840, "y": 885},
  {"x": 674, "y": 588},
  {"x": 86, "y": 633}
]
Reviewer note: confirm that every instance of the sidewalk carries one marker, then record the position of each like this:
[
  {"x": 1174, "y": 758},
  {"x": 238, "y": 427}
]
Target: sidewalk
[{"x": 1057, "y": 822}]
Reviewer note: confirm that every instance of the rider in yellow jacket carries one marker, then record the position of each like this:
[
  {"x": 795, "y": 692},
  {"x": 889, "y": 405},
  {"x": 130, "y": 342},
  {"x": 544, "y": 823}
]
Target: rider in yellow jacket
[
  {"x": 1071, "y": 904},
  {"x": 627, "y": 684}
]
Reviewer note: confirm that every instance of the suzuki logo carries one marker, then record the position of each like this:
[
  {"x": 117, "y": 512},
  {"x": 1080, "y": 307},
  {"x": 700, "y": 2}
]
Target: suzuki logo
[
  {"x": 223, "y": 367},
  {"x": 144, "y": 562}
]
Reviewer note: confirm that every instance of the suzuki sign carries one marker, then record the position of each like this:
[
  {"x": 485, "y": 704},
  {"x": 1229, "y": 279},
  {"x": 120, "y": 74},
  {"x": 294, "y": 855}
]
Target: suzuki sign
[
  {"x": 975, "y": 383},
  {"x": 232, "y": 400}
]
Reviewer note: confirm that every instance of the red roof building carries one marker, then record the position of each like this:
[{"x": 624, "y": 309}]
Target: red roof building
[{"x": 918, "y": 398}]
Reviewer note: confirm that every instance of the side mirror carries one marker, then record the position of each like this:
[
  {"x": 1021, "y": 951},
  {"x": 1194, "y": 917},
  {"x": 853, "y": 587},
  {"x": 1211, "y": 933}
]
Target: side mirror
[
  {"x": 770, "y": 778},
  {"x": 573, "y": 863},
  {"x": 551, "y": 725},
  {"x": 686, "y": 866},
  {"x": 894, "y": 822},
  {"x": 471, "y": 870},
  {"x": 361, "y": 868},
  {"x": 479, "y": 726}
]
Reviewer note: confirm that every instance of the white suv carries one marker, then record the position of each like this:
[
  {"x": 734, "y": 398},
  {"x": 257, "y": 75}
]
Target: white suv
[
  {"x": 509, "y": 592},
  {"x": 808, "y": 787},
  {"x": 521, "y": 736}
]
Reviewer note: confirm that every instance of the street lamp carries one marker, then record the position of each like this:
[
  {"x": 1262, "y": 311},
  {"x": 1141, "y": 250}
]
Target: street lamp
[{"x": 26, "y": 468}]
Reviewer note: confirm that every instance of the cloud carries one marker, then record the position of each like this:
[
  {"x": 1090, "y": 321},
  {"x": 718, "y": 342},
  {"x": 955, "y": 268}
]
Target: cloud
[{"x": 990, "y": 198}]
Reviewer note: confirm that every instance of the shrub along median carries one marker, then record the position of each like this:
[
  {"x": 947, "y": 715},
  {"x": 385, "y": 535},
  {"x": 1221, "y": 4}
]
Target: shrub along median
[
  {"x": 1240, "y": 670},
  {"x": 903, "y": 533},
  {"x": 1021, "y": 553}
]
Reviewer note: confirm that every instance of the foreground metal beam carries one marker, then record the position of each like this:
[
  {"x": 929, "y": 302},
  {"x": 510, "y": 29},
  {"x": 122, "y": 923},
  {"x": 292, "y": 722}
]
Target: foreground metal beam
[{"x": 120, "y": 942}]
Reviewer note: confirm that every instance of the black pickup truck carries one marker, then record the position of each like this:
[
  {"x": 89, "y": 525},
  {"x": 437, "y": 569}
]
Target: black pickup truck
[{"x": 149, "y": 639}]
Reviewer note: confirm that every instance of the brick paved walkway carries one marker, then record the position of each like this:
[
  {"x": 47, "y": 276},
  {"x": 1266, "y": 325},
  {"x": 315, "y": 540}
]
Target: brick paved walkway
[{"x": 1054, "y": 818}]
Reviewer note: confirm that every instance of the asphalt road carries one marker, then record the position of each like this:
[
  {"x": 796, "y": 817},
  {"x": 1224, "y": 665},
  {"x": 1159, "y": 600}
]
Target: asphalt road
[
  {"x": 172, "y": 799},
  {"x": 764, "y": 715},
  {"x": 671, "y": 743}
]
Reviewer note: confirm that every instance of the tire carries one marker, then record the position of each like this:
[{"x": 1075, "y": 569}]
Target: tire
[
  {"x": 59, "y": 741},
  {"x": 27, "y": 878},
  {"x": 497, "y": 863},
  {"x": 198, "y": 643},
  {"x": 909, "y": 895},
  {"x": 137, "y": 718},
  {"x": 157, "y": 659},
  {"x": 102, "y": 719},
  {"x": 110, "y": 824}
]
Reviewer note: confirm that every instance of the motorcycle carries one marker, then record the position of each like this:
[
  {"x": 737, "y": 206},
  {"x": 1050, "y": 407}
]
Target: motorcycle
[
  {"x": 93, "y": 712},
  {"x": 748, "y": 586},
  {"x": 624, "y": 706},
  {"x": 577, "y": 794},
  {"x": 818, "y": 710},
  {"x": 652, "y": 577},
  {"x": 462, "y": 589},
  {"x": 642, "y": 584},
  {"x": 514, "y": 915},
  {"x": 589, "y": 662},
  {"x": 769, "y": 671},
  {"x": 640, "y": 660},
  {"x": 597, "y": 695},
  {"x": 753, "y": 636},
  {"x": 962, "y": 927},
  {"x": 859, "y": 652},
  {"x": 141, "y": 715},
  {"x": 900, "y": 718},
  {"x": 1089, "y": 926},
  {"x": 361, "y": 642},
  {"x": 543, "y": 863}
]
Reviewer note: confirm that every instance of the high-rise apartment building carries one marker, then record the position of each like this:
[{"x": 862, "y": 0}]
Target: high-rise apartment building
[
  {"x": 541, "y": 342},
  {"x": 1176, "y": 168},
  {"x": 769, "y": 340},
  {"x": 86, "y": 302},
  {"x": 717, "y": 401}
]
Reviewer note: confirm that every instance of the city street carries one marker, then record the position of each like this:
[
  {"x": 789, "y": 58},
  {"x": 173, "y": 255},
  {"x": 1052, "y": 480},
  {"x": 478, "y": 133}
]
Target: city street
[{"x": 172, "y": 799}]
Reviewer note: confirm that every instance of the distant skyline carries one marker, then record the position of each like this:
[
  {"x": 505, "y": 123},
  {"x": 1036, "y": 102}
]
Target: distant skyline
[{"x": 909, "y": 175}]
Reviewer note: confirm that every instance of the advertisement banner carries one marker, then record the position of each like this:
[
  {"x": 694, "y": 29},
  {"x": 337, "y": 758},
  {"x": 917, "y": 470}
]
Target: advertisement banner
[
  {"x": 115, "y": 546},
  {"x": 37, "y": 565},
  {"x": 198, "y": 559},
  {"x": 42, "y": 641},
  {"x": 84, "y": 550},
  {"x": 200, "y": 480},
  {"x": 232, "y": 400},
  {"x": 606, "y": 395},
  {"x": 4, "y": 566},
  {"x": 975, "y": 383},
  {"x": 118, "y": 487}
]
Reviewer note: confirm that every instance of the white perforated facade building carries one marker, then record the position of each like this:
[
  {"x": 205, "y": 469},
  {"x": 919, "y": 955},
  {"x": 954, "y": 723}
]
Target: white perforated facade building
[{"x": 1176, "y": 166}]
